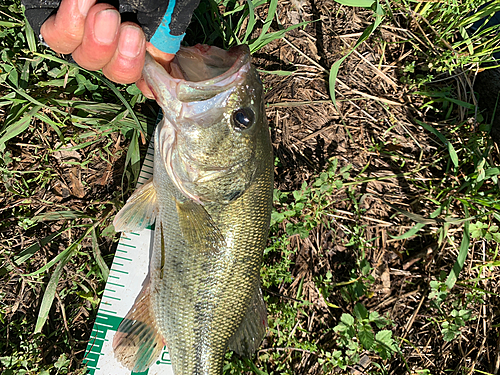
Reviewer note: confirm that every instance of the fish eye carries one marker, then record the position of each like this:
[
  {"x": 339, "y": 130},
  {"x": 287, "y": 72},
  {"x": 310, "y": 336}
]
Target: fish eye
[{"x": 243, "y": 118}]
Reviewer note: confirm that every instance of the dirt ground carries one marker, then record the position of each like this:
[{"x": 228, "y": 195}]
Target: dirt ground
[{"x": 372, "y": 128}]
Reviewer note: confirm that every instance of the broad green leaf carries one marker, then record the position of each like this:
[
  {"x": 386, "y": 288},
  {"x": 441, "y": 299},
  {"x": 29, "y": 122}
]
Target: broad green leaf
[
  {"x": 360, "y": 311},
  {"x": 384, "y": 336},
  {"x": 366, "y": 337},
  {"x": 347, "y": 319},
  {"x": 386, "y": 347}
]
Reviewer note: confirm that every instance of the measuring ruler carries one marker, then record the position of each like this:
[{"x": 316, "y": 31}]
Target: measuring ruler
[{"x": 126, "y": 277}]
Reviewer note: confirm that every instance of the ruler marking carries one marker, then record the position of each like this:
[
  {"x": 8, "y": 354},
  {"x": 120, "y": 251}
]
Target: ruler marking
[
  {"x": 127, "y": 245},
  {"x": 119, "y": 285},
  {"x": 125, "y": 272},
  {"x": 105, "y": 325},
  {"x": 116, "y": 299},
  {"x": 116, "y": 256},
  {"x": 109, "y": 311}
]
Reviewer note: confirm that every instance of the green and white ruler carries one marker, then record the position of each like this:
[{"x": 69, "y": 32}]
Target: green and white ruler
[{"x": 126, "y": 277}]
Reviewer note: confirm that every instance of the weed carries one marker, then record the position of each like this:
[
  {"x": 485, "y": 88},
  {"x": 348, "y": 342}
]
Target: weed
[{"x": 358, "y": 334}]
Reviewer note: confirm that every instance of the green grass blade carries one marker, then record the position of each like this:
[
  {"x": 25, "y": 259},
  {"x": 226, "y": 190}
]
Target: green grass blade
[
  {"x": 462, "y": 255},
  {"x": 480, "y": 14},
  {"x": 139, "y": 126},
  {"x": 31, "y": 250},
  {"x": 334, "y": 70},
  {"x": 442, "y": 138},
  {"x": 10, "y": 24},
  {"x": 98, "y": 257},
  {"x": 60, "y": 215},
  {"x": 50, "y": 291},
  {"x": 30, "y": 36},
  {"x": 416, "y": 217},
  {"x": 251, "y": 21},
  {"x": 413, "y": 230},
  {"x": 268, "y": 38},
  {"x": 18, "y": 127},
  {"x": 269, "y": 19},
  {"x": 133, "y": 157},
  {"x": 242, "y": 7},
  {"x": 61, "y": 257},
  {"x": 356, "y": 3},
  {"x": 276, "y": 72},
  {"x": 254, "y": 368}
]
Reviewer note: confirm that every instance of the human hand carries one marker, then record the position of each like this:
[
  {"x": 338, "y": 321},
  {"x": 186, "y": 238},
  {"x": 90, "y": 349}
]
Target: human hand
[{"x": 96, "y": 38}]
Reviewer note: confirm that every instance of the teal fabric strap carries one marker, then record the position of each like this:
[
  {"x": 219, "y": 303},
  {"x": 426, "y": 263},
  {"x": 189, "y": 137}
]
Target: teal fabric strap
[{"x": 162, "y": 38}]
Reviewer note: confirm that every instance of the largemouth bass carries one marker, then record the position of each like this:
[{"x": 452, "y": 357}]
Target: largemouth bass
[{"x": 210, "y": 199}]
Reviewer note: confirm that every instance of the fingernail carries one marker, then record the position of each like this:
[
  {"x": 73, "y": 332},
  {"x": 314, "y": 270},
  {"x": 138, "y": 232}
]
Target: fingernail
[
  {"x": 131, "y": 41},
  {"x": 84, "y": 6},
  {"x": 106, "y": 25}
]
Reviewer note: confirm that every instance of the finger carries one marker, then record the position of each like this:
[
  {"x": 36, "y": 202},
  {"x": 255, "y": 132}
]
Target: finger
[
  {"x": 100, "y": 38},
  {"x": 63, "y": 32},
  {"x": 160, "y": 57},
  {"x": 142, "y": 85},
  {"x": 128, "y": 59}
]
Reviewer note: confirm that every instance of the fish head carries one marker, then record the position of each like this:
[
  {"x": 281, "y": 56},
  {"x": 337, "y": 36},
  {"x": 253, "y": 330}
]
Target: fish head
[{"x": 214, "y": 124}]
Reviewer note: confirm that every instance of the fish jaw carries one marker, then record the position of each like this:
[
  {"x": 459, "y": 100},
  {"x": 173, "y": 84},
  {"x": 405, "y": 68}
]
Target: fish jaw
[{"x": 172, "y": 89}]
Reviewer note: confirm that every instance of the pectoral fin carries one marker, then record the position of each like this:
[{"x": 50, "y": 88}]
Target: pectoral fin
[
  {"x": 137, "y": 342},
  {"x": 198, "y": 227},
  {"x": 139, "y": 211},
  {"x": 252, "y": 330}
]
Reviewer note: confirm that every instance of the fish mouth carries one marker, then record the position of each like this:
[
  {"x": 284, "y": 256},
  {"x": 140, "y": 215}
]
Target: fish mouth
[
  {"x": 197, "y": 73},
  {"x": 193, "y": 94}
]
